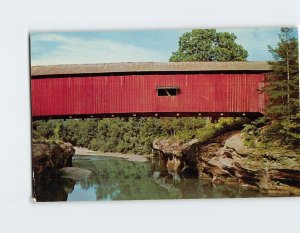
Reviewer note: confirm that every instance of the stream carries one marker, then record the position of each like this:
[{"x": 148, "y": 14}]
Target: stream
[{"x": 118, "y": 179}]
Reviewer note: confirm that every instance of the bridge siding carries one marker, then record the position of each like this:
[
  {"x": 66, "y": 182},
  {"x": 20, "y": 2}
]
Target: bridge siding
[{"x": 228, "y": 93}]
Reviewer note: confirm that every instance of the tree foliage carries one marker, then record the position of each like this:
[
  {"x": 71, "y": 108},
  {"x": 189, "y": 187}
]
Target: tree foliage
[
  {"x": 134, "y": 135},
  {"x": 282, "y": 87},
  {"x": 283, "y": 81},
  {"x": 208, "y": 45}
]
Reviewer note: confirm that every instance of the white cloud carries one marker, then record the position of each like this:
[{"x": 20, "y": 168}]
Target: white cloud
[{"x": 78, "y": 50}]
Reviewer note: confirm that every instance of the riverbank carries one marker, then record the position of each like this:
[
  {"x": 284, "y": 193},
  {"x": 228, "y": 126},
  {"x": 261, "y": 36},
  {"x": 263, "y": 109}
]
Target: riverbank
[
  {"x": 226, "y": 160},
  {"x": 82, "y": 151}
]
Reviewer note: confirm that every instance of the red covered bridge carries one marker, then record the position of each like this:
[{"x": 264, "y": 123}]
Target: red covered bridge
[{"x": 148, "y": 89}]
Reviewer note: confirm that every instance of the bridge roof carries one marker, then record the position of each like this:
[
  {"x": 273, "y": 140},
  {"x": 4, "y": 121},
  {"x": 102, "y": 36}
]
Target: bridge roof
[{"x": 149, "y": 67}]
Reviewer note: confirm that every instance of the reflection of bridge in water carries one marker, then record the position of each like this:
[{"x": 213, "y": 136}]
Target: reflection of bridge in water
[{"x": 148, "y": 89}]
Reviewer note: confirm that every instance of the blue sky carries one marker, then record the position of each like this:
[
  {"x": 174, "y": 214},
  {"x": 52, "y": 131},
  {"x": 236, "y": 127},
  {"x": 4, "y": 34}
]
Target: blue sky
[{"x": 49, "y": 48}]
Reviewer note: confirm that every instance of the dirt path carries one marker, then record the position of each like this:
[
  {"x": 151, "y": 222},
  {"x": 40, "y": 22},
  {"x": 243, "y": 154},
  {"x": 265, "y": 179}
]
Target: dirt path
[{"x": 130, "y": 157}]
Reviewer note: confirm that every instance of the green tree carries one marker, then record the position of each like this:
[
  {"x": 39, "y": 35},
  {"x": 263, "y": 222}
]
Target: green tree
[
  {"x": 208, "y": 45},
  {"x": 283, "y": 81},
  {"x": 57, "y": 131},
  {"x": 283, "y": 92}
]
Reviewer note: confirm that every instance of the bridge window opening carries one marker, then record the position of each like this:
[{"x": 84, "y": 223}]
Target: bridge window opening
[{"x": 167, "y": 91}]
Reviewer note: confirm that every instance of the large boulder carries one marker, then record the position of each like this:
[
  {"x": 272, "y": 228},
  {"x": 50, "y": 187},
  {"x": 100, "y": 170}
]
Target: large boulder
[
  {"x": 236, "y": 142},
  {"x": 75, "y": 173},
  {"x": 49, "y": 156}
]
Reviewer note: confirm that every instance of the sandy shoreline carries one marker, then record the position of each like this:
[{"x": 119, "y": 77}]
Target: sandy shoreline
[{"x": 130, "y": 157}]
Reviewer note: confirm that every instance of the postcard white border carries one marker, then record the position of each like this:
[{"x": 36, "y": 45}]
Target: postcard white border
[{"x": 18, "y": 213}]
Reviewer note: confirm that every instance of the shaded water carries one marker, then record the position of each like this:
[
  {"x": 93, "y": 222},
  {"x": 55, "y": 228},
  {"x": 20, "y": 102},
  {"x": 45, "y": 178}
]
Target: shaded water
[{"x": 119, "y": 179}]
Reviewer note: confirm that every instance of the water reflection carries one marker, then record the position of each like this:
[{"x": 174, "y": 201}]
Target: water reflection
[
  {"x": 52, "y": 188},
  {"x": 118, "y": 179}
]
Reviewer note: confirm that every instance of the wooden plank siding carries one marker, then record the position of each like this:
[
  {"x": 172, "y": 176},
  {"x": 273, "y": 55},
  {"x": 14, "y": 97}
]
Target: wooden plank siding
[{"x": 127, "y": 94}]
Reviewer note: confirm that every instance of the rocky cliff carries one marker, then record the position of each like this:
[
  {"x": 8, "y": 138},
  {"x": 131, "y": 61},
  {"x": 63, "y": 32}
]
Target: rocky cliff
[{"x": 226, "y": 160}]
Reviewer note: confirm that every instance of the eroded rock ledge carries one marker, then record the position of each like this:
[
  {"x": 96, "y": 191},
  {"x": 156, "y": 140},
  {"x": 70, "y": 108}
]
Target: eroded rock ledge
[
  {"x": 227, "y": 160},
  {"x": 177, "y": 156},
  {"x": 49, "y": 156}
]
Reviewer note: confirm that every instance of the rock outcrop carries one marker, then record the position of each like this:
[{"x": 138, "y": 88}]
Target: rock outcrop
[
  {"x": 177, "y": 156},
  {"x": 54, "y": 177},
  {"x": 49, "y": 157},
  {"x": 173, "y": 147},
  {"x": 227, "y": 160},
  {"x": 238, "y": 164}
]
